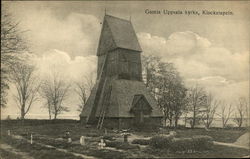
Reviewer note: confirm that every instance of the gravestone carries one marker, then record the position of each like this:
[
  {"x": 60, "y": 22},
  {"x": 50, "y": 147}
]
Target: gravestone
[
  {"x": 8, "y": 132},
  {"x": 82, "y": 140},
  {"x": 69, "y": 140},
  {"x": 31, "y": 139},
  {"x": 101, "y": 144}
]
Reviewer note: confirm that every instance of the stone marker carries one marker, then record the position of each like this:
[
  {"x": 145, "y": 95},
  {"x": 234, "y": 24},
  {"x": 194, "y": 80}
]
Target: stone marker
[
  {"x": 82, "y": 140},
  {"x": 101, "y": 144},
  {"x": 69, "y": 140},
  {"x": 8, "y": 132},
  {"x": 172, "y": 133},
  {"x": 31, "y": 139},
  {"x": 126, "y": 137}
]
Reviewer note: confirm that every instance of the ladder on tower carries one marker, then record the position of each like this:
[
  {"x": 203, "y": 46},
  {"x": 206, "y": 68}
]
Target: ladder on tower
[
  {"x": 105, "y": 105},
  {"x": 99, "y": 88}
]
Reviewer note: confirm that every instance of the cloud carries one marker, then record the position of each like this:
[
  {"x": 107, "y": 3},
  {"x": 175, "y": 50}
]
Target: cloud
[
  {"x": 195, "y": 56},
  {"x": 75, "y": 33},
  {"x": 71, "y": 70},
  {"x": 199, "y": 61},
  {"x": 59, "y": 61}
]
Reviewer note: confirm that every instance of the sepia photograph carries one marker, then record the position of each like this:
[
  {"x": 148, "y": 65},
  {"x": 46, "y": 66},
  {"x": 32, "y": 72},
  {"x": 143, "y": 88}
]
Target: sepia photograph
[{"x": 124, "y": 79}]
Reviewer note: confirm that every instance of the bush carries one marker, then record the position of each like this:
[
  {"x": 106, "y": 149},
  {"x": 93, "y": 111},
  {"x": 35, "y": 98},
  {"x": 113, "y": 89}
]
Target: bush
[
  {"x": 198, "y": 142},
  {"x": 202, "y": 142},
  {"x": 141, "y": 141},
  {"x": 181, "y": 144},
  {"x": 93, "y": 135},
  {"x": 121, "y": 145},
  {"x": 161, "y": 142},
  {"x": 109, "y": 137}
]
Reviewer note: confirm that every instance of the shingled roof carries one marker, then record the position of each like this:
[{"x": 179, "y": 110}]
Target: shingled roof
[
  {"x": 122, "y": 96},
  {"x": 117, "y": 33}
]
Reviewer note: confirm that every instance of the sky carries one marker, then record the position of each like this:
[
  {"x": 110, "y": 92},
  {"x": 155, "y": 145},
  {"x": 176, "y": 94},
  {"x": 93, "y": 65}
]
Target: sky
[{"x": 209, "y": 50}]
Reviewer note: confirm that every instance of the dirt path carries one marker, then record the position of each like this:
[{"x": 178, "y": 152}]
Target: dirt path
[
  {"x": 230, "y": 145},
  {"x": 11, "y": 149},
  {"x": 58, "y": 149},
  {"x": 243, "y": 140}
]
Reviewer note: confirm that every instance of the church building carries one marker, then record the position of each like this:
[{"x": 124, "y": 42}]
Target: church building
[{"x": 119, "y": 98}]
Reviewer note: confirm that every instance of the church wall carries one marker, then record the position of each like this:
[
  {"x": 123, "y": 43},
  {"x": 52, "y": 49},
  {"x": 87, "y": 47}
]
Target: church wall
[
  {"x": 112, "y": 64},
  {"x": 129, "y": 64},
  {"x": 126, "y": 123}
]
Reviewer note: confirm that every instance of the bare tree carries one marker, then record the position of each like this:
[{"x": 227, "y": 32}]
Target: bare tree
[
  {"x": 83, "y": 90},
  {"x": 23, "y": 77},
  {"x": 225, "y": 114},
  {"x": 241, "y": 111},
  {"x": 197, "y": 99},
  {"x": 45, "y": 93},
  {"x": 55, "y": 91},
  {"x": 12, "y": 43},
  {"x": 209, "y": 111}
]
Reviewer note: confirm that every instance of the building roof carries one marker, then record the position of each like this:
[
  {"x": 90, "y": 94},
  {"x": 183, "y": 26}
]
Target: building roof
[
  {"x": 120, "y": 32},
  {"x": 122, "y": 96}
]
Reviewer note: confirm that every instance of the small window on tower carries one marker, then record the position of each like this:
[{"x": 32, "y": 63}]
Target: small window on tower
[
  {"x": 123, "y": 58},
  {"x": 112, "y": 58}
]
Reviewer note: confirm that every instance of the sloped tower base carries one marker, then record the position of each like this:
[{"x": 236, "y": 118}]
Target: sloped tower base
[{"x": 124, "y": 96}]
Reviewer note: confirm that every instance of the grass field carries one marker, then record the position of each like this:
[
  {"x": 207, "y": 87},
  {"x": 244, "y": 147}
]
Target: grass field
[{"x": 49, "y": 133}]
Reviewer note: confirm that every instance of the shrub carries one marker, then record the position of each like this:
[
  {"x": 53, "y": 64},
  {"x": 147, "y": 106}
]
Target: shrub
[
  {"x": 161, "y": 141},
  {"x": 181, "y": 144},
  {"x": 141, "y": 141},
  {"x": 93, "y": 134},
  {"x": 198, "y": 142},
  {"x": 104, "y": 153},
  {"x": 109, "y": 137},
  {"x": 121, "y": 145},
  {"x": 202, "y": 142}
]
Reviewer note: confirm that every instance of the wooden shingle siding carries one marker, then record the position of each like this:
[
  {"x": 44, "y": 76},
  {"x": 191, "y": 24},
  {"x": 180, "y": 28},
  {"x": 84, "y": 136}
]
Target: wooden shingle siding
[{"x": 119, "y": 78}]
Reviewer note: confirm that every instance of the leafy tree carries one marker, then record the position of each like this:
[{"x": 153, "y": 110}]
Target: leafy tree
[
  {"x": 171, "y": 92},
  {"x": 166, "y": 85},
  {"x": 149, "y": 72}
]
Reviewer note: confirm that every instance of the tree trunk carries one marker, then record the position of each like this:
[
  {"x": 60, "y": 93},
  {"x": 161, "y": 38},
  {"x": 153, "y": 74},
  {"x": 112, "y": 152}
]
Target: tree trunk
[
  {"x": 49, "y": 113},
  {"x": 185, "y": 120},
  {"x": 22, "y": 112},
  {"x": 240, "y": 123},
  {"x": 176, "y": 122},
  {"x": 55, "y": 115},
  {"x": 170, "y": 122},
  {"x": 193, "y": 121},
  {"x": 223, "y": 123}
]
